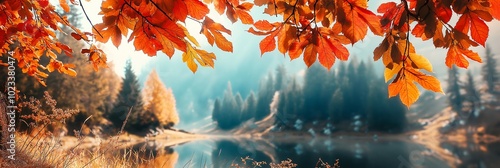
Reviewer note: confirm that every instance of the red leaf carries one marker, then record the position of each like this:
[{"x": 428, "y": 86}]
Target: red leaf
[
  {"x": 478, "y": 29},
  {"x": 180, "y": 10},
  {"x": 443, "y": 12},
  {"x": 463, "y": 24},
  {"x": 386, "y": 7}
]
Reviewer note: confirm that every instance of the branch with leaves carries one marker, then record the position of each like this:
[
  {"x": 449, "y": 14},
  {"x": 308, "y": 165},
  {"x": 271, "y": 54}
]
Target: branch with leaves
[{"x": 317, "y": 30}]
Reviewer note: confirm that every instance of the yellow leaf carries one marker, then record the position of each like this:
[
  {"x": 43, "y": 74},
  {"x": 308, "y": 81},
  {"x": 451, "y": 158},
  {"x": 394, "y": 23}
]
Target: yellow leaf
[
  {"x": 389, "y": 73},
  {"x": 189, "y": 56},
  {"x": 421, "y": 62},
  {"x": 190, "y": 38},
  {"x": 205, "y": 58}
]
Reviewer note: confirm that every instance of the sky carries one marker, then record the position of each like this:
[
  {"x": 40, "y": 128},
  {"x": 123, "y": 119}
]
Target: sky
[{"x": 245, "y": 68}]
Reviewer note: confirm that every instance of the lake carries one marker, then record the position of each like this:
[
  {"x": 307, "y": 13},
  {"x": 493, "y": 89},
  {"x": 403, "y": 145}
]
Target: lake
[{"x": 357, "y": 152}]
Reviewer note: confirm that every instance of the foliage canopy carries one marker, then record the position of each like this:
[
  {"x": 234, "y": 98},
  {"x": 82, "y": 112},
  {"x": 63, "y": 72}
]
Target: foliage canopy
[{"x": 316, "y": 29}]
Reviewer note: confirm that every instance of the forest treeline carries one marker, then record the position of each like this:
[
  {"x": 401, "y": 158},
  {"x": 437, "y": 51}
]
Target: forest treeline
[
  {"x": 351, "y": 97},
  {"x": 101, "y": 96}
]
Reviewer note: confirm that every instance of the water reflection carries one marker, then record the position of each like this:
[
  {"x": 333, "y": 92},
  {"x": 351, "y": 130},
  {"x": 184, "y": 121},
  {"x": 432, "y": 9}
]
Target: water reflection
[{"x": 359, "y": 153}]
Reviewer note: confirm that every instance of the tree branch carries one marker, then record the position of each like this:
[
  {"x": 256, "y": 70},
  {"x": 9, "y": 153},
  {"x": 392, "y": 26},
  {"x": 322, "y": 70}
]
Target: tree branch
[{"x": 87, "y": 16}]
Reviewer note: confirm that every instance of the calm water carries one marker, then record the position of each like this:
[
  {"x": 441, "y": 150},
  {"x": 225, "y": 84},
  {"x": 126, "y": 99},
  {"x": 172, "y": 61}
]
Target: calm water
[{"x": 351, "y": 152}]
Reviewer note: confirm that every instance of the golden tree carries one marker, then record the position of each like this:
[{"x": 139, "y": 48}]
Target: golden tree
[{"x": 160, "y": 100}]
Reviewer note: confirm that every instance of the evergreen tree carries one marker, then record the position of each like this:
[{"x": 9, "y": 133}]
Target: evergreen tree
[
  {"x": 129, "y": 98},
  {"x": 384, "y": 114},
  {"x": 216, "y": 112},
  {"x": 249, "y": 107},
  {"x": 230, "y": 111},
  {"x": 159, "y": 100},
  {"x": 290, "y": 104},
  {"x": 489, "y": 71},
  {"x": 265, "y": 96},
  {"x": 363, "y": 79},
  {"x": 315, "y": 102},
  {"x": 281, "y": 78},
  {"x": 453, "y": 91},
  {"x": 472, "y": 95}
]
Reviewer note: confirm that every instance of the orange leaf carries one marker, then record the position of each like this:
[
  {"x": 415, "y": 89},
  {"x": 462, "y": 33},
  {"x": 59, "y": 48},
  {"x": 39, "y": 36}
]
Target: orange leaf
[
  {"x": 210, "y": 37},
  {"x": 285, "y": 37},
  {"x": 407, "y": 90},
  {"x": 222, "y": 42},
  {"x": 220, "y": 6},
  {"x": 426, "y": 81},
  {"x": 196, "y": 9},
  {"x": 455, "y": 57},
  {"x": 64, "y": 5},
  {"x": 244, "y": 16},
  {"x": 245, "y": 6},
  {"x": 495, "y": 9},
  {"x": 310, "y": 54},
  {"x": 263, "y": 25},
  {"x": 371, "y": 20},
  {"x": 260, "y": 2},
  {"x": 268, "y": 44},
  {"x": 478, "y": 29},
  {"x": 325, "y": 52}
]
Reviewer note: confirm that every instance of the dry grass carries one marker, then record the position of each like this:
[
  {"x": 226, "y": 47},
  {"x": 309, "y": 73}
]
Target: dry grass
[
  {"x": 248, "y": 162},
  {"x": 40, "y": 147}
]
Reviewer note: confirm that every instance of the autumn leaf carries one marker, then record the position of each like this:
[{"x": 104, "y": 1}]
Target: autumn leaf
[
  {"x": 196, "y": 9},
  {"x": 310, "y": 54},
  {"x": 456, "y": 56},
  {"x": 202, "y": 57},
  {"x": 420, "y": 62},
  {"x": 268, "y": 44},
  {"x": 478, "y": 29},
  {"x": 64, "y": 5},
  {"x": 426, "y": 81},
  {"x": 495, "y": 9},
  {"x": 215, "y": 30},
  {"x": 407, "y": 90},
  {"x": 390, "y": 72}
]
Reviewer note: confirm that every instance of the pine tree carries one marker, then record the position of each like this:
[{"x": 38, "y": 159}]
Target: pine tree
[
  {"x": 160, "y": 100},
  {"x": 216, "y": 112},
  {"x": 453, "y": 91},
  {"x": 281, "y": 78},
  {"x": 315, "y": 104},
  {"x": 264, "y": 97},
  {"x": 472, "y": 95},
  {"x": 489, "y": 70},
  {"x": 129, "y": 98},
  {"x": 249, "y": 107}
]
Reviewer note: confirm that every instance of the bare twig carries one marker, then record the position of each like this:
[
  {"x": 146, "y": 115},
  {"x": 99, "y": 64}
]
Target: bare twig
[
  {"x": 126, "y": 119},
  {"x": 87, "y": 16}
]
